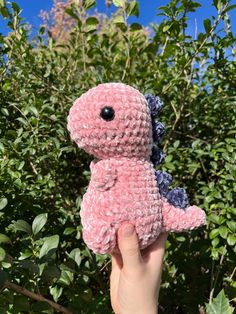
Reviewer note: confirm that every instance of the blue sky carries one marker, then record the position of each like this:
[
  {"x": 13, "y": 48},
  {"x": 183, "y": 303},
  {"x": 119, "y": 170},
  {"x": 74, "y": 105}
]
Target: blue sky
[{"x": 148, "y": 12}]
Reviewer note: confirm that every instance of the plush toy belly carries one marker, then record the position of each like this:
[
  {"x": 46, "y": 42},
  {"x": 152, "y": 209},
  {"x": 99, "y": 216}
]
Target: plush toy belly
[{"x": 123, "y": 190}]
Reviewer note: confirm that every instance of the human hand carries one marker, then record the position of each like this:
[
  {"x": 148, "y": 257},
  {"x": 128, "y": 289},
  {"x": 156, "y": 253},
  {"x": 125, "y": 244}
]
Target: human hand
[{"x": 136, "y": 276}]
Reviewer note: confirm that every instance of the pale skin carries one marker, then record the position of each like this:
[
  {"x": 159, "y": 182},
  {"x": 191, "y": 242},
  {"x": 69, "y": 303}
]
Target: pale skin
[{"x": 136, "y": 276}]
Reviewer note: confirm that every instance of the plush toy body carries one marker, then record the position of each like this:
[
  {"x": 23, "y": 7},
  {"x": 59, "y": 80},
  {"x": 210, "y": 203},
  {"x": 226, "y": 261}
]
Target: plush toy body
[{"x": 113, "y": 122}]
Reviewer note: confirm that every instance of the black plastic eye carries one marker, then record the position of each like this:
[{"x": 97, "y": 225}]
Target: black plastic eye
[{"x": 107, "y": 113}]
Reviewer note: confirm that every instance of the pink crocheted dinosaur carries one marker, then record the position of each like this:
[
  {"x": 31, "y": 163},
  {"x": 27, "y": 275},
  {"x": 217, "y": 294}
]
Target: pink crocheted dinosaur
[{"x": 113, "y": 122}]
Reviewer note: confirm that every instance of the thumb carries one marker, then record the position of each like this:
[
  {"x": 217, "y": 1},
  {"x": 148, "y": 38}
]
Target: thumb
[{"x": 129, "y": 247}]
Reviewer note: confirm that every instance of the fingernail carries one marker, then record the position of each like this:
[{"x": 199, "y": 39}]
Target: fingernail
[{"x": 127, "y": 230}]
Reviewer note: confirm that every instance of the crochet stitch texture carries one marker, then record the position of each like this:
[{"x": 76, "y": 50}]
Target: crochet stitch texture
[{"x": 113, "y": 123}]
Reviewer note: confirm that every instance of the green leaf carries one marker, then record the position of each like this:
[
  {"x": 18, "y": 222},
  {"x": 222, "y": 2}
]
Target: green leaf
[
  {"x": 5, "y": 111},
  {"x": 66, "y": 278},
  {"x": 22, "y": 120},
  {"x": 218, "y": 4},
  {"x": 169, "y": 166},
  {"x": 33, "y": 110},
  {"x": 90, "y": 28},
  {"x": 6, "y": 86},
  {"x": 231, "y": 225},
  {"x": 207, "y": 25},
  {"x": 214, "y": 233},
  {"x": 119, "y": 3},
  {"x": 88, "y": 4},
  {"x": 2, "y": 3},
  {"x": 180, "y": 239},
  {"x": 215, "y": 253},
  {"x": 229, "y": 8},
  {"x": 231, "y": 239},
  {"x": 169, "y": 158},
  {"x": 22, "y": 225},
  {"x": 18, "y": 183},
  {"x": 176, "y": 144},
  {"x": 3, "y": 203},
  {"x": 39, "y": 222},
  {"x": 4, "y": 238},
  {"x": 21, "y": 165},
  {"x": 4, "y": 11},
  {"x": 2, "y": 149},
  {"x": 71, "y": 13},
  {"x": 15, "y": 7},
  {"x": 223, "y": 230},
  {"x": 219, "y": 305},
  {"x": 119, "y": 20},
  {"x": 91, "y": 24},
  {"x": 69, "y": 230},
  {"x": 56, "y": 292},
  {"x": 133, "y": 8},
  {"x": 51, "y": 274},
  {"x": 92, "y": 21},
  {"x": 214, "y": 218},
  {"x": 215, "y": 242},
  {"x": 75, "y": 255},
  {"x": 166, "y": 27},
  {"x": 26, "y": 254},
  {"x": 41, "y": 30},
  {"x": 135, "y": 26},
  {"x": 50, "y": 243},
  {"x": 2, "y": 254}
]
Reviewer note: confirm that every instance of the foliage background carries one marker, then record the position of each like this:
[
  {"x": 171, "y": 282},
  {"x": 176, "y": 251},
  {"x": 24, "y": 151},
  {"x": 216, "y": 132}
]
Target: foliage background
[{"x": 43, "y": 175}]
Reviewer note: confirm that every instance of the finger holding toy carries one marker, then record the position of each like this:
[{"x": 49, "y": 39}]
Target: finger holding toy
[{"x": 136, "y": 275}]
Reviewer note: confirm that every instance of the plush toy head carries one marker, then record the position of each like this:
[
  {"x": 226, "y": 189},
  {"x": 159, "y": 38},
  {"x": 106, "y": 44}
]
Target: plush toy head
[
  {"x": 112, "y": 120},
  {"x": 115, "y": 123}
]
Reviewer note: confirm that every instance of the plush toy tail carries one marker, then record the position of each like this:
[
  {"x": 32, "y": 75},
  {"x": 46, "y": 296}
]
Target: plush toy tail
[{"x": 177, "y": 220}]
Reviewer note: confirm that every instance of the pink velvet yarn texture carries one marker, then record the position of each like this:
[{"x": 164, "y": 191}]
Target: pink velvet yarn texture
[{"x": 123, "y": 187}]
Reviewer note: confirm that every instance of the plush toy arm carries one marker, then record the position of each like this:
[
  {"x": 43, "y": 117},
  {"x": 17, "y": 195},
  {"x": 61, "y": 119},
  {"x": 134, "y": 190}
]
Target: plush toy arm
[{"x": 104, "y": 175}]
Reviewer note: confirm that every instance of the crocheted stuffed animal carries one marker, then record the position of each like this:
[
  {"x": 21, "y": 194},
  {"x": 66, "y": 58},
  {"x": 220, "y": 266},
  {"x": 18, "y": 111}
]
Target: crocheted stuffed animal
[{"x": 115, "y": 123}]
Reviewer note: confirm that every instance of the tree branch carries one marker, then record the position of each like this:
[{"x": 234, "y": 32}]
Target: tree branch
[
  {"x": 198, "y": 50},
  {"x": 37, "y": 297}
]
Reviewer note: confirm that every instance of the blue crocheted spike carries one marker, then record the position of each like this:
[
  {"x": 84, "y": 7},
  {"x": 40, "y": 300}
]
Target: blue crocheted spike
[
  {"x": 178, "y": 197},
  {"x": 158, "y": 156},
  {"x": 155, "y": 104},
  {"x": 164, "y": 179},
  {"x": 158, "y": 131}
]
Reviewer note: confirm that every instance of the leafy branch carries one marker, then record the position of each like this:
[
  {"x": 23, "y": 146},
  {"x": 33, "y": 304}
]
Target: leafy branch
[
  {"x": 208, "y": 35},
  {"x": 37, "y": 297}
]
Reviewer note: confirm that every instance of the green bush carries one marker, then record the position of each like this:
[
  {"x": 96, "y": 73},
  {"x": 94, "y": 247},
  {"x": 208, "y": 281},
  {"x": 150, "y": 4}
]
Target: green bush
[{"x": 43, "y": 175}]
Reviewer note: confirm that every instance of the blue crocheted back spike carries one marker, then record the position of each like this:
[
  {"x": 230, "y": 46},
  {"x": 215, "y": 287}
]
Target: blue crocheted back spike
[
  {"x": 158, "y": 129},
  {"x": 177, "y": 196},
  {"x": 164, "y": 180},
  {"x": 158, "y": 156},
  {"x": 155, "y": 104}
]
